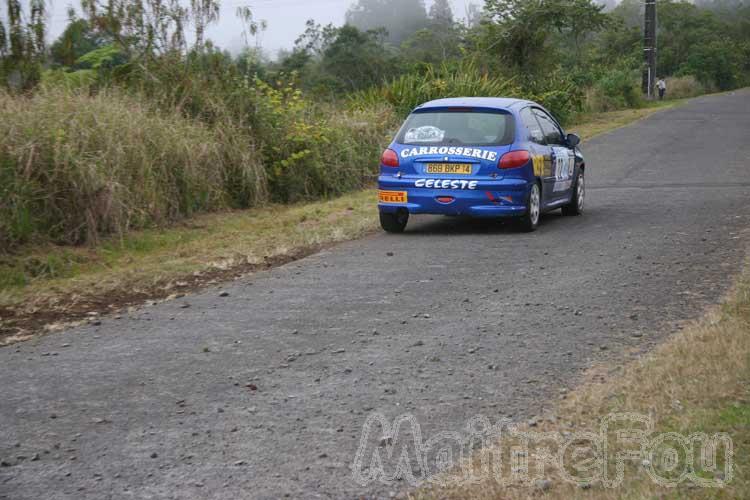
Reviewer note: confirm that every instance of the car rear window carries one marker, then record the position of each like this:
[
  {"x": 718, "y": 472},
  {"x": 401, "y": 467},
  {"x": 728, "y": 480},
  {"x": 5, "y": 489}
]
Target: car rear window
[{"x": 459, "y": 127}]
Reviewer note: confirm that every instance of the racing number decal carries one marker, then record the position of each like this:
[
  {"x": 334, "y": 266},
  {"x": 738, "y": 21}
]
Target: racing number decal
[{"x": 563, "y": 167}]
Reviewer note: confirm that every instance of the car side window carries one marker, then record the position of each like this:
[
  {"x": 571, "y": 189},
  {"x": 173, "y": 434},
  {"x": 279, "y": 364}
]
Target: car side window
[
  {"x": 532, "y": 125},
  {"x": 552, "y": 132}
]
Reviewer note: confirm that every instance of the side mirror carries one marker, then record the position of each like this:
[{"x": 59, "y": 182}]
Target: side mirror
[{"x": 573, "y": 140}]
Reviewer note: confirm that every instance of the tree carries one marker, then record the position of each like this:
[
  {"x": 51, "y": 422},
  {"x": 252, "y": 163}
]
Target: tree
[
  {"x": 251, "y": 27},
  {"x": 697, "y": 41},
  {"x": 250, "y": 62},
  {"x": 441, "y": 13},
  {"x": 619, "y": 45},
  {"x": 583, "y": 17},
  {"x": 440, "y": 41},
  {"x": 78, "y": 39},
  {"x": 293, "y": 61},
  {"x": 400, "y": 18},
  {"x": 474, "y": 15},
  {"x": 22, "y": 44},
  {"x": 631, "y": 13},
  {"x": 433, "y": 46},
  {"x": 146, "y": 28},
  {"x": 716, "y": 63},
  {"x": 328, "y": 59},
  {"x": 608, "y": 5},
  {"x": 357, "y": 60},
  {"x": 517, "y": 31},
  {"x": 316, "y": 38}
]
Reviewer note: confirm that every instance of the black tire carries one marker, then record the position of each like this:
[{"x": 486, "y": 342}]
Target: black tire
[
  {"x": 395, "y": 222},
  {"x": 575, "y": 207},
  {"x": 530, "y": 220}
]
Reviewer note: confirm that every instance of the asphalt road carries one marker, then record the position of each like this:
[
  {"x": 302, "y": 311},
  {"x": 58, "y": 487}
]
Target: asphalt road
[{"x": 450, "y": 320}]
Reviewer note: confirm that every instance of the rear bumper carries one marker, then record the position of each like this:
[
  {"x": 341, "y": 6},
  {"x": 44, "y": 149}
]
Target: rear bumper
[{"x": 501, "y": 198}]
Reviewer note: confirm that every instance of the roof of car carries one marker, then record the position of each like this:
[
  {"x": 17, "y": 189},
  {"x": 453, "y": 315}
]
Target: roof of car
[{"x": 480, "y": 102}]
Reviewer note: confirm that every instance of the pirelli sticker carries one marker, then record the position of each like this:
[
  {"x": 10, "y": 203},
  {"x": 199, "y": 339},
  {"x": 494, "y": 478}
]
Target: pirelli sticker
[{"x": 392, "y": 196}]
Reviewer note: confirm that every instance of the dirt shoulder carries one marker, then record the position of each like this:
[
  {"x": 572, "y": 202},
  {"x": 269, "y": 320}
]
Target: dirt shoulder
[
  {"x": 48, "y": 288},
  {"x": 694, "y": 386}
]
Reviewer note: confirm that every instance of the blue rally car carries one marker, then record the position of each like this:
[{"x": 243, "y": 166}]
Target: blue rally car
[{"x": 480, "y": 157}]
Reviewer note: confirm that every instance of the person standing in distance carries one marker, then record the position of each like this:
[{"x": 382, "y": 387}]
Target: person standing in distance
[{"x": 661, "y": 85}]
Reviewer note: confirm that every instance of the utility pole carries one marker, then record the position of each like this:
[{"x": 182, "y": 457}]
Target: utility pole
[{"x": 649, "y": 48}]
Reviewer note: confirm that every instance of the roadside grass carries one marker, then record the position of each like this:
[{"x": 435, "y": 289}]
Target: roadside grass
[
  {"x": 696, "y": 381},
  {"x": 42, "y": 285},
  {"x": 588, "y": 125},
  {"x": 206, "y": 241}
]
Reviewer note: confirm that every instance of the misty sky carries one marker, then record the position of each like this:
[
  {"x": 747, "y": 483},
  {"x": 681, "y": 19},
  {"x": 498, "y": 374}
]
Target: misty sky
[{"x": 286, "y": 19}]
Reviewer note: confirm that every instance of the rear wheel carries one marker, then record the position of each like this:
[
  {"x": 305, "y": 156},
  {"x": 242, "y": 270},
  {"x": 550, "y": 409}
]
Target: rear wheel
[
  {"x": 575, "y": 207},
  {"x": 530, "y": 221},
  {"x": 395, "y": 222}
]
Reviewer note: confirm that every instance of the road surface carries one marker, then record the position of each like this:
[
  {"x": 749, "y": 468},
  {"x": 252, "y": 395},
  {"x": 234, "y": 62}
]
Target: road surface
[{"x": 263, "y": 392}]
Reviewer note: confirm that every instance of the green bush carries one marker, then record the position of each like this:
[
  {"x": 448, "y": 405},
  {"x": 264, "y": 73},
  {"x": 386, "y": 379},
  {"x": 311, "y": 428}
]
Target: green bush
[
  {"x": 308, "y": 148},
  {"x": 558, "y": 94},
  {"x": 618, "y": 89},
  {"x": 313, "y": 149},
  {"x": 83, "y": 79},
  {"x": 718, "y": 63},
  {"x": 408, "y": 91}
]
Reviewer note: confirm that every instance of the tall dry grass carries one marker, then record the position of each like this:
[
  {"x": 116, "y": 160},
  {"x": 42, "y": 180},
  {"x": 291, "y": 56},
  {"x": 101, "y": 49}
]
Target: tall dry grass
[
  {"x": 74, "y": 166},
  {"x": 680, "y": 87}
]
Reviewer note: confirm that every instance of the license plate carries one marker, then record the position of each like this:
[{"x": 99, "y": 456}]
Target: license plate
[
  {"x": 449, "y": 168},
  {"x": 392, "y": 196}
]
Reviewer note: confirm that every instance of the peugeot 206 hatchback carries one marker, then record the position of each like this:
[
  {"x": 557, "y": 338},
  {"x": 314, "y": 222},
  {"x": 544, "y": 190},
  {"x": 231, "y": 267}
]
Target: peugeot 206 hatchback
[{"x": 480, "y": 157}]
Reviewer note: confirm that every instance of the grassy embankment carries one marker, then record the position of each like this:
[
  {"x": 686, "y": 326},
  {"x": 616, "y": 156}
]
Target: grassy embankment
[
  {"x": 41, "y": 284},
  {"x": 697, "y": 381}
]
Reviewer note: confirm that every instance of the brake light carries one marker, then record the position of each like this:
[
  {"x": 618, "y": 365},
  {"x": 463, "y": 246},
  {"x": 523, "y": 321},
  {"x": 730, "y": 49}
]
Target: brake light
[
  {"x": 514, "y": 159},
  {"x": 389, "y": 158}
]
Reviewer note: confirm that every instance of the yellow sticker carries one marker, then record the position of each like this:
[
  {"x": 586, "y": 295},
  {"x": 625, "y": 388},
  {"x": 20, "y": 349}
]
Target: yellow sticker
[{"x": 538, "y": 161}]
